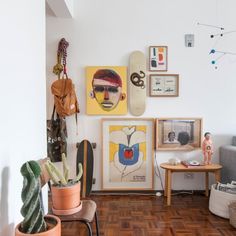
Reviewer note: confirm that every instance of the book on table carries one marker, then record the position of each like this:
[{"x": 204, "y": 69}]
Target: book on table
[{"x": 191, "y": 164}]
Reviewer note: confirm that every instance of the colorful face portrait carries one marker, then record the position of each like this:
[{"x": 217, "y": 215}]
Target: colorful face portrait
[
  {"x": 107, "y": 88},
  {"x": 107, "y": 92}
]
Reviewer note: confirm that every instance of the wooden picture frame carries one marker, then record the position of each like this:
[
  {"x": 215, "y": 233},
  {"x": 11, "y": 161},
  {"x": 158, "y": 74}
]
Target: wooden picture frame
[
  {"x": 178, "y": 134},
  {"x": 158, "y": 58},
  {"x": 164, "y": 85},
  {"x": 127, "y": 153}
]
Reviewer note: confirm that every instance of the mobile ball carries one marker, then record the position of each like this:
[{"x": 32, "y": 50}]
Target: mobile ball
[{"x": 212, "y": 51}]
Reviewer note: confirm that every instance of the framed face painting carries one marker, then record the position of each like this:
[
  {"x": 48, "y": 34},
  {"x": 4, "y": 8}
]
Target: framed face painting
[
  {"x": 106, "y": 90},
  {"x": 178, "y": 133},
  {"x": 158, "y": 58},
  {"x": 164, "y": 85},
  {"x": 128, "y": 149}
]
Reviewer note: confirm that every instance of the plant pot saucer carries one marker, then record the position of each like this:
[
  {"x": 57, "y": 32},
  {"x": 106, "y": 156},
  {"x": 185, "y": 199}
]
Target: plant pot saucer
[{"x": 67, "y": 212}]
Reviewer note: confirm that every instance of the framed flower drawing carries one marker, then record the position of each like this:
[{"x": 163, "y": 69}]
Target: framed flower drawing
[{"x": 128, "y": 149}]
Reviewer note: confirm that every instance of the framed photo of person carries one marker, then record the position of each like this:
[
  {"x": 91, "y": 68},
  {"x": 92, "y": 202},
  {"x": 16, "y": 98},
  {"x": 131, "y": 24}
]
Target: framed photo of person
[
  {"x": 158, "y": 58},
  {"x": 128, "y": 151},
  {"x": 178, "y": 133},
  {"x": 164, "y": 85}
]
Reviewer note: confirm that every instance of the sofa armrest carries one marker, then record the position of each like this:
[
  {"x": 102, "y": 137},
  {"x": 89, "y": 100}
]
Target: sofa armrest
[
  {"x": 228, "y": 161},
  {"x": 234, "y": 141}
]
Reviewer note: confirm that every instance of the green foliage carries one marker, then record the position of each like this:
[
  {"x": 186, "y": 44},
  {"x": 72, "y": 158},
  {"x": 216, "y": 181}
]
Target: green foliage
[
  {"x": 78, "y": 177},
  {"x": 34, "y": 166},
  {"x": 62, "y": 179},
  {"x": 32, "y": 209}
]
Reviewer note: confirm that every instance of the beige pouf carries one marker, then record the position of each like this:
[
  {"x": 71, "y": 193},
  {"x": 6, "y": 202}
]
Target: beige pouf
[
  {"x": 219, "y": 202},
  {"x": 232, "y": 214}
]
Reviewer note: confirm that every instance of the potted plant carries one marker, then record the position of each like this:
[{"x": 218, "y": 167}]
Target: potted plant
[
  {"x": 35, "y": 223},
  {"x": 65, "y": 191}
]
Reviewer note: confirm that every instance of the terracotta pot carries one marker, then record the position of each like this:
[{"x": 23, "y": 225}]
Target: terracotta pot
[
  {"x": 54, "y": 224},
  {"x": 66, "y": 200}
]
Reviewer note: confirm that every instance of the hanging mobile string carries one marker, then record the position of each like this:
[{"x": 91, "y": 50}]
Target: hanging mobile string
[
  {"x": 214, "y": 51},
  {"x": 212, "y": 26},
  {"x": 222, "y": 34},
  {"x": 213, "y": 62},
  {"x": 218, "y": 36}
]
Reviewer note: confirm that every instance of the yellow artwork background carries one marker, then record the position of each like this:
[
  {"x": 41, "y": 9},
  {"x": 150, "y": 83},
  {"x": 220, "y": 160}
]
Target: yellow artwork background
[
  {"x": 113, "y": 148},
  {"x": 92, "y": 107}
]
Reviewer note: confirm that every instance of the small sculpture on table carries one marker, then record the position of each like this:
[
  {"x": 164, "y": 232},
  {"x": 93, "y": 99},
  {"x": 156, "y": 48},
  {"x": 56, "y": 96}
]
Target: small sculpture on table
[{"x": 207, "y": 148}]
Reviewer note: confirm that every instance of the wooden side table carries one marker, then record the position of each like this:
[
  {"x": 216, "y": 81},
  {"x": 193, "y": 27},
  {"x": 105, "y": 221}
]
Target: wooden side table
[{"x": 169, "y": 169}]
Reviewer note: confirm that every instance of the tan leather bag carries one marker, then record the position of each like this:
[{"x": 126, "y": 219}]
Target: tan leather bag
[{"x": 65, "y": 99}]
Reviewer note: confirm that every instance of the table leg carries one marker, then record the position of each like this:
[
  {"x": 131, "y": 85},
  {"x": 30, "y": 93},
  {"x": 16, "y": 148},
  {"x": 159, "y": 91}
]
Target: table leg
[
  {"x": 166, "y": 177},
  {"x": 207, "y": 184},
  {"x": 169, "y": 188},
  {"x": 217, "y": 176}
]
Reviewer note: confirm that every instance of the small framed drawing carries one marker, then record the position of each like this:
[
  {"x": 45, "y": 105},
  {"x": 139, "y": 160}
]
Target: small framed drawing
[
  {"x": 128, "y": 149},
  {"x": 158, "y": 58},
  {"x": 178, "y": 133},
  {"x": 166, "y": 85}
]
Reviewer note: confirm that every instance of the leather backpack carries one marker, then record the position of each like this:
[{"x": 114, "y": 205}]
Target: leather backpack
[{"x": 65, "y": 99}]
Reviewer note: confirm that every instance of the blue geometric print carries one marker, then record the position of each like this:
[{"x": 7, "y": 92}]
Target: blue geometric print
[{"x": 128, "y": 155}]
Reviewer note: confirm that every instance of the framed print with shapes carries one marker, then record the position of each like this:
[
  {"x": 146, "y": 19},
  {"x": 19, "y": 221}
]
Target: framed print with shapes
[
  {"x": 128, "y": 150},
  {"x": 106, "y": 90},
  {"x": 158, "y": 58},
  {"x": 178, "y": 133},
  {"x": 164, "y": 85}
]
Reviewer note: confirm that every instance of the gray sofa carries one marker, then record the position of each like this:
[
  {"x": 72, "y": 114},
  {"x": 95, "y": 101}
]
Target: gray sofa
[{"x": 228, "y": 161}]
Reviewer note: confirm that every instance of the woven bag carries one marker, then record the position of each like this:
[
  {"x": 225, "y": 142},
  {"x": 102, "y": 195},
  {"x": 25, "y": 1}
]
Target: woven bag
[{"x": 232, "y": 214}]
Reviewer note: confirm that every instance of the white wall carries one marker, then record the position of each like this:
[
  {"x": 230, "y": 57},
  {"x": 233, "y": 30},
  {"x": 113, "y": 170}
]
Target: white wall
[
  {"x": 23, "y": 100},
  {"x": 105, "y": 32}
]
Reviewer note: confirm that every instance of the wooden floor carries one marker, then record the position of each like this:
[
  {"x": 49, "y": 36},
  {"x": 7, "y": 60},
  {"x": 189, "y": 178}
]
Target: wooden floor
[{"x": 149, "y": 216}]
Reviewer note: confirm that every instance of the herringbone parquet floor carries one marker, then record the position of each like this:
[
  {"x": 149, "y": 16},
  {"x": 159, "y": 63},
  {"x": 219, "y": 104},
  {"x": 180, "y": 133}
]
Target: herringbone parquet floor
[{"x": 137, "y": 215}]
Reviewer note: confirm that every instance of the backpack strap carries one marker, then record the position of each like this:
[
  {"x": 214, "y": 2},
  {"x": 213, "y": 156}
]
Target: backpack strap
[
  {"x": 76, "y": 122},
  {"x": 53, "y": 113}
]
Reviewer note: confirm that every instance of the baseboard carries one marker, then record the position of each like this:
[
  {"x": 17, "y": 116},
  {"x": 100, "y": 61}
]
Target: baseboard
[{"x": 145, "y": 192}]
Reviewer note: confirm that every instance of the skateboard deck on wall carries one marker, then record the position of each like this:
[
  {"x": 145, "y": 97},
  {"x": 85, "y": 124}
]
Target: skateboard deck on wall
[
  {"x": 85, "y": 157},
  {"x": 137, "y": 83}
]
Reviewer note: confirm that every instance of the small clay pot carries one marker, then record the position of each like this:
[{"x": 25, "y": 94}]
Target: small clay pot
[
  {"x": 53, "y": 224},
  {"x": 66, "y": 200}
]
